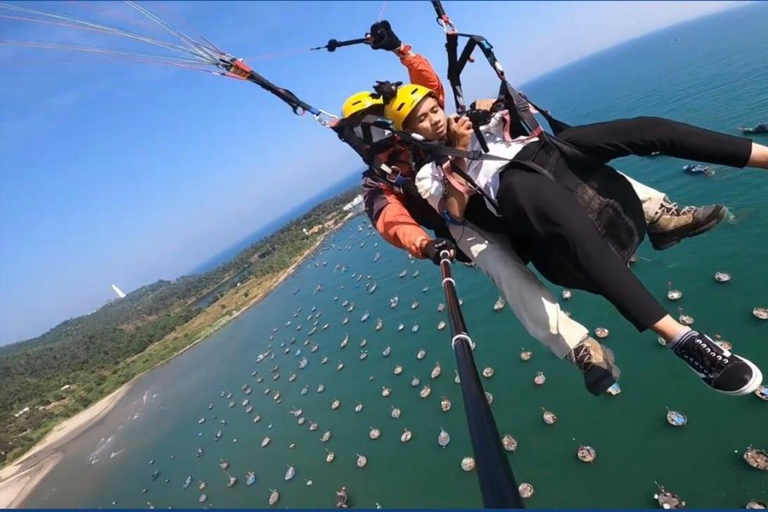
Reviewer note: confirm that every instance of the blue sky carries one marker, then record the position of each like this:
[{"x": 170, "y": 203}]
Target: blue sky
[{"x": 118, "y": 172}]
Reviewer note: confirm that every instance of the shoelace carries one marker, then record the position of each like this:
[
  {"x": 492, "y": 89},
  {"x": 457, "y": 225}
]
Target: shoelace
[
  {"x": 583, "y": 357},
  {"x": 705, "y": 356},
  {"x": 674, "y": 209}
]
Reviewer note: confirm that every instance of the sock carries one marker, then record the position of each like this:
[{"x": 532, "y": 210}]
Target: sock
[{"x": 678, "y": 338}]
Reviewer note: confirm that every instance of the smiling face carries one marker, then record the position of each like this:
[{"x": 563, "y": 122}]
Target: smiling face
[{"x": 428, "y": 119}]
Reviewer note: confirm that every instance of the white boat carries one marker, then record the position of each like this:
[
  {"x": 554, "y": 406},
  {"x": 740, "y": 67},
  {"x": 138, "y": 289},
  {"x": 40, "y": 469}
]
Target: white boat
[
  {"x": 406, "y": 436},
  {"x": 509, "y": 443},
  {"x": 385, "y": 392},
  {"x": 760, "y": 313},
  {"x": 335, "y": 404},
  {"x": 445, "y": 405},
  {"x": 394, "y": 301},
  {"x": 467, "y": 464},
  {"x": 265, "y": 441},
  {"x": 488, "y": 397},
  {"x": 290, "y": 473},
  {"x": 345, "y": 341},
  {"x": 676, "y": 418},
  {"x": 566, "y": 294},
  {"x": 526, "y": 490},
  {"x": 304, "y": 390},
  {"x": 499, "y": 304},
  {"x": 326, "y": 436},
  {"x": 440, "y": 307},
  {"x": 395, "y": 412},
  {"x": 301, "y": 420},
  {"x": 762, "y": 392},
  {"x": 722, "y": 277},
  {"x": 273, "y": 497},
  {"x": 440, "y": 325},
  {"x": 374, "y": 433},
  {"x": 540, "y": 379},
  {"x": 359, "y": 407},
  {"x": 548, "y": 416},
  {"x": 324, "y": 360},
  {"x": 340, "y": 366},
  {"x": 614, "y": 390},
  {"x": 443, "y": 438},
  {"x": 365, "y": 316},
  {"x": 415, "y": 328},
  {"x": 372, "y": 288},
  {"x": 421, "y": 354},
  {"x": 400, "y": 327},
  {"x": 526, "y": 355},
  {"x": 312, "y": 427},
  {"x": 292, "y": 377},
  {"x": 456, "y": 378},
  {"x": 586, "y": 454},
  {"x": 321, "y": 388},
  {"x": 314, "y": 348},
  {"x": 685, "y": 319},
  {"x": 379, "y": 324},
  {"x": 402, "y": 273},
  {"x": 363, "y": 355},
  {"x": 414, "y": 304},
  {"x": 415, "y": 382},
  {"x": 257, "y": 418},
  {"x": 425, "y": 391},
  {"x": 673, "y": 294},
  {"x": 386, "y": 351},
  {"x": 345, "y": 321},
  {"x": 488, "y": 372},
  {"x": 201, "y": 421},
  {"x": 248, "y": 409},
  {"x": 436, "y": 371},
  {"x": 398, "y": 370},
  {"x": 303, "y": 362},
  {"x": 363, "y": 343},
  {"x": 330, "y": 457},
  {"x": 601, "y": 332}
]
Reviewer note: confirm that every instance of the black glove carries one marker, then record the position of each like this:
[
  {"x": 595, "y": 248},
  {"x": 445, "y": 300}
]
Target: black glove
[
  {"x": 434, "y": 247},
  {"x": 382, "y": 37}
]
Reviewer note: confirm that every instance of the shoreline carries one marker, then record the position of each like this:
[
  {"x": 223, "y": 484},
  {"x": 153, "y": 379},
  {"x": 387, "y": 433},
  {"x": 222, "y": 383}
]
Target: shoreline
[{"x": 19, "y": 478}]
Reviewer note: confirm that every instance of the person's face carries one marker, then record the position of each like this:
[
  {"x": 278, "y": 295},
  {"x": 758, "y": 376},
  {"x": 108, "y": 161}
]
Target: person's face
[{"x": 428, "y": 120}]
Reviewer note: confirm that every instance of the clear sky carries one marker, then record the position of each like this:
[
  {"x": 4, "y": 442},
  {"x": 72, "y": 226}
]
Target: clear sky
[{"x": 118, "y": 172}]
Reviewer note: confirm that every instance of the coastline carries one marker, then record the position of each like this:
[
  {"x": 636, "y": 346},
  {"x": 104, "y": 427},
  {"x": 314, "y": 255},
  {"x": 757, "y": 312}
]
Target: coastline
[{"x": 19, "y": 478}]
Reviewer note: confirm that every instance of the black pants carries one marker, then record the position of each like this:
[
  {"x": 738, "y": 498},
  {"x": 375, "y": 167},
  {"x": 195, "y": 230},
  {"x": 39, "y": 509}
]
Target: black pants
[{"x": 560, "y": 239}]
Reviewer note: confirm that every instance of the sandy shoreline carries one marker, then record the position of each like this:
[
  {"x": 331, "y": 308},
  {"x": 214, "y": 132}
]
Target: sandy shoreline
[{"x": 18, "y": 479}]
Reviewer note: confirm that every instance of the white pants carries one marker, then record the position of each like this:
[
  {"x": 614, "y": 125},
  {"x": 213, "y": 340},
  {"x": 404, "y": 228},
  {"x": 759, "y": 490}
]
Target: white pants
[{"x": 531, "y": 302}]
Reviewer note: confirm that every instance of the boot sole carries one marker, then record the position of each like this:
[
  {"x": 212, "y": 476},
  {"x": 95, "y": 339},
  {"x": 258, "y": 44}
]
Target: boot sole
[
  {"x": 666, "y": 244},
  {"x": 598, "y": 380}
]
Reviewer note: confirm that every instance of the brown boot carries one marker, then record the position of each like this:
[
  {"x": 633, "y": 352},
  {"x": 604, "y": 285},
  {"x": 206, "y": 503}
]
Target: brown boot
[
  {"x": 596, "y": 363},
  {"x": 675, "y": 223}
]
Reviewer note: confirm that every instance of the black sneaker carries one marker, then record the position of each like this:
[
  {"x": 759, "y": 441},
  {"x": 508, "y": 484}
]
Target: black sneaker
[
  {"x": 596, "y": 363},
  {"x": 721, "y": 370},
  {"x": 675, "y": 223}
]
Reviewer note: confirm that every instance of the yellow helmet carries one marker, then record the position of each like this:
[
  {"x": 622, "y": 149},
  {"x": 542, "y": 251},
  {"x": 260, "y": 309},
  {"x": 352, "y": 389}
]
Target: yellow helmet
[
  {"x": 407, "y": 98},
  {"x": 359, "y": 102}
]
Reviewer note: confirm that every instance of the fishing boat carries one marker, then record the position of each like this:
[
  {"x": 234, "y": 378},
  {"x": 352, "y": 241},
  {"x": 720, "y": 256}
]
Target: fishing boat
[
  {"x": 301, "y": 420},
  {"x": 722, "y": 277},
  {"x": 326, "y": 326},
  {"x": 231, "y": 481},
  {"x": 425, "y": 391},
  {"x": 440, "y": 307},
  {"x": 326, "y": 436},
  {"x": 374, "y": 433},
  {"x": 314, "y": 348},
  {"x": 443, "y": 438},
  {"x": 762, "y": 392},
  {"x": 276, "y": 376},
  {"x": 414, "y": 304},
  {"x": 403, "y": 273},
  {"x": 359, "y": 407},
  {"x": 445, "y": 404},
  {"x": 259, "y": 379},
  {"x": 303, "y": 362},
  {"x": 601, "y": 332},
  {"x": 362, "y": 461},
  {"x": 509, "y": 443},
  {"x": 406, "y": 436},
  {"x": 614, "y": 390},
  {"x": 324, "y": 360},
  {"x": 265, "y": 441},
  {"x": 201, "y": 421},
  {"x": 386, "y": 351},
  {"x": 330, "y": 457},
  {"x": 345, "y": 321},
  {"x": 341, "y": 498},
  {"x": 526, "y": 490},
  {"x": 304, "y": 390},
  {"x": 400, "y": 327},
  {"x": 499, "y": 304},
  {"x": 345, "y": 303},
  {"x": 340, "y": 366},
  {"x": 398, "y": 370},
  {"x": 250, "y": 478},
  {"x": 467, "y": 464},
  {"x": 256, "y": 418},
  {"x": 586, "y": 454},
  {"x": 296, "y": 412},
  {"x": 673, "y": 294},
  {"x": 676, "y": 418},
  {"x": 415, "y": 274},
  {"x": 292, "y": 377},
  {"x": 231, "y": 404},
  {"x": 436, "y": 371},
  {"x": 249, "y": 409},
  {"x": 351, "y": 308},
  {"x": 668, "y": 500},
  {"x": 363, "y": 355},
  {"x": 287, "y": 350},
  {"x": 290, "y": 473},
  {"x": 267, "y": 391},
  {"x": 373, "y": 288},
  {"x": 218, "y": 435},
  {"x": 488, "y": 397},
  {"x": 363, "y": 342},
  {"x": 526, "y": 355},
  {"x": 756, "y": 458},
  {"x": 415, "y": 382},
  {"x": 698, "y": 169},
  {"x": 488, "y": 372},
  {"x": 273, "y": 497},
  {"x": 335, "y": 404},
  {"x": 312, "y": 427},
  {"x": 395, "y": 412},
  {"x": 202, "y": 486},
  {"x": 760, "y": 313},
  {"x": 187, "y": 481},
  {"x": 421, "y": 354},
  {"x": 760, "y": 128},
  {"x": 548, "y": 416},
  {"x": 394, "y": 301},
  {"x": 685, "y": 319},
  {"x": 202, "y": 498},
  {"x": 385, "y": 392},
  {"x": 365, "y": 316},
  {"x": 540, "y": 379},
  {"x": 379, "y": 324}
]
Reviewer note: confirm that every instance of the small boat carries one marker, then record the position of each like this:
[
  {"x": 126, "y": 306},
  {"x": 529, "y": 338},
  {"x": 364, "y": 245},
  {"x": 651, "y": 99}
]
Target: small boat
[
  {"x": 358, "y": 407},
  {"x": 340, "y": 366},
  {"x": 414, "y": 304},
  {"x": 467, "y": 464},
  {"x": 210, "y": 406},
  {"x": 249, "y": 409},
  {"x": 586, "y": 454},
  {"x": 722, "y": 277},
  {"x": 363, "y": 343},
  {"x": 445, "y": 405},
  {"x": 312, "y": 427},
  {"x": 345, "y": 304},
  {"x": 488, "y": 397},
  {"x": 509, "y": 443},
  {"x": 303, "y": 362},
  {"x": 661, "y": 341},
  {"x": 231, "y": 404},
  {"x": 403, "y": 273},
  {"x": 415, "y": 328},
  {"x": 351, "y": 308},
  {"x": 440, "y": 307},
  {"x": 325, "y": 327},
  {"x": 526, "y": 355},
  {"x": 330, "y": 457},
  {"x": 379, "y": 324},
  {"x": 326, "y": 436},
  {"x": 363, "y": 355},
  {"x": 421, "y": 354},
  {"x": 273, "y": 497},
  {"x": 443, "y": 438},
  {"x": 673, "y": 294},
  {"x": 400, "y": 327},
  {"x": 614, "y": 390},
  {"x": 756, "y": 458},
  {"x": 287, "y": 350},
  {"x": 676, "y": 418},
  {"x": 416, "y": 274},
  {"x": 548, "y": 416},
  {"x": 218, "y": 435},
  {"x": 231, "y": 481},
  {"x": 395, "y": 412},
  {"x": 685, "y": 319},
  {"x": 324, "y": 360},
  {"x": 760, "y": 128},
  {"x": 362, "y": 461},
  {"x": 373, "y": 287},
  {"x": 440, "y": 325},
  {"x": 314, "y": 348},
  {"x": 199, "y": 452},
  {"x": 265, "y": 441},
  {"x": 415, "y": 382},
  {"x": 436, "y": 371},
  {"x": 456, "y": 378},
  {"x": 296, "y": 412},
  {"x": 725, "y": 345},
  {"x": 425, "y": 289},
  {"x": 292, "y": 377},
  {"x": 345, "y": 341},
  {"x": 499, "y": 304},
  {"x": 290, "y": 473},
  {"x": 301, "y": 420},
  {"x": 488, "y": 372},
  {"x": 398, "y": 370},
  {"x": 202, "y": 486},
  {"x": 345, "y": 321},
  {"x": 425, "y": 391},
  {"x": 365, "y": 316},
  {"x": 267, "y": 391},
  {"x": 202, "y": 498},
  {"x": 756, "y": 505},
  {"x": 335, "y": 404},
  {"x": 385, "y": 392},
  {"x": 250, "y": 478},
  {"x": 601, "y": 332},
  {"x": 155, "y": 474},
  {"x": 374, "y": 433},
  {"x": 760, "y": 313},
  {"x": 201, "y": 421},
  {"x": 668, "y": 500},
  {"x": 386, "y": 351},
  {"x": 406, "y": 436},
  {"x": 762, "y": 392},
  {"x": 698, "y": 169},
  {"x": 540, "y": 379},
  {"x": 526, "y": 490},
  {"x": 259, "y": 379},
  {"x": 341, "y": 498}
]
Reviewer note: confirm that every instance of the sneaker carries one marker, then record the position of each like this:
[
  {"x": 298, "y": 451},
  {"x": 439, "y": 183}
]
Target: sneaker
[
  {"x": 721, "y": 370},
  {"x": 673, "y": 224},
  {"x": 596, "y": 363}
]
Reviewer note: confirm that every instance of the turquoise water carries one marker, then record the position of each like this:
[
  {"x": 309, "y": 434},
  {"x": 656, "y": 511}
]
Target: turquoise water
[{"x": 707, "y": 72}]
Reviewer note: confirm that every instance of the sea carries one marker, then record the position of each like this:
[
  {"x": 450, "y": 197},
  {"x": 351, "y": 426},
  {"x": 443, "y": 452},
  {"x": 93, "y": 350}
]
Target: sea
[{"x": 711, "y": 72}]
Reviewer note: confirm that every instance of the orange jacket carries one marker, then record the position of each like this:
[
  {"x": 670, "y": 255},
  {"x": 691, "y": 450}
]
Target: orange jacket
[{"x": 384, "y": 206}]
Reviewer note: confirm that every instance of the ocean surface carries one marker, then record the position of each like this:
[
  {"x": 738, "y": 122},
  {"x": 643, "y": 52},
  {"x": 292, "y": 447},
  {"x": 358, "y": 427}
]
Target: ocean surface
[{"x": 712, "y": 72}]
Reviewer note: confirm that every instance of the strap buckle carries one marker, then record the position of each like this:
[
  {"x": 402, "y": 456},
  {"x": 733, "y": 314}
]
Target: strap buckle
[{"x": 325, "y": 118}]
